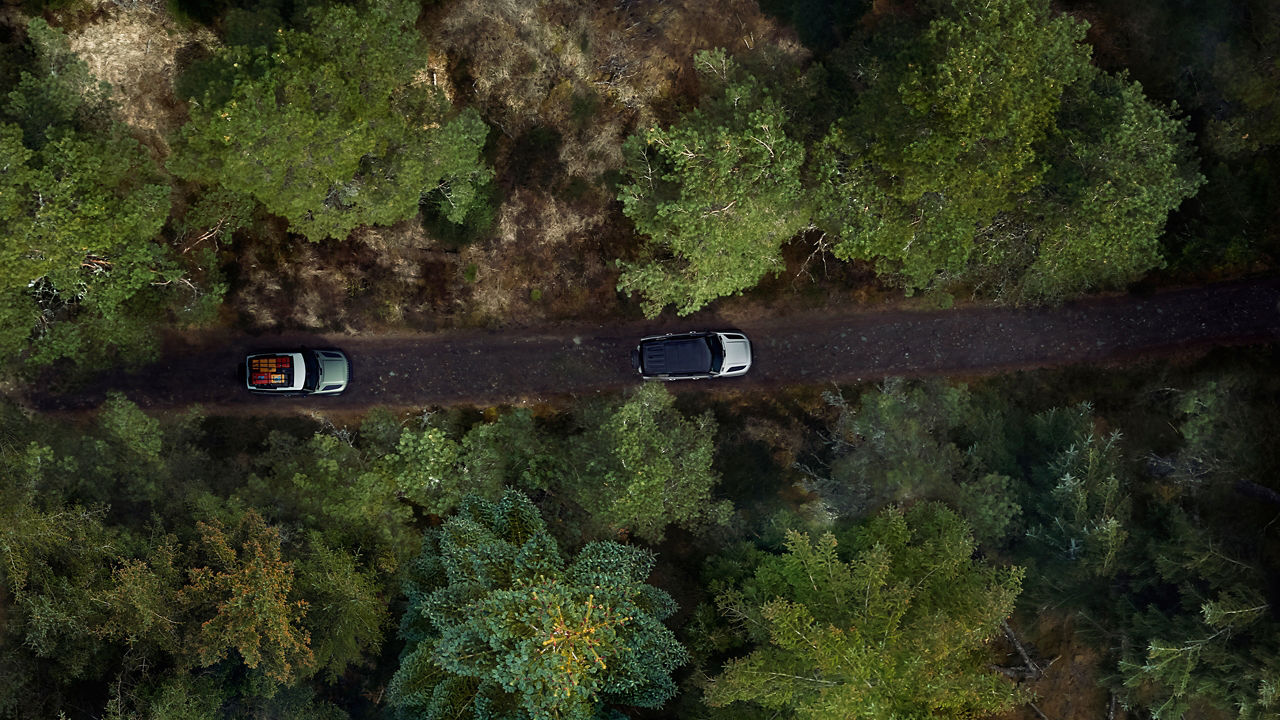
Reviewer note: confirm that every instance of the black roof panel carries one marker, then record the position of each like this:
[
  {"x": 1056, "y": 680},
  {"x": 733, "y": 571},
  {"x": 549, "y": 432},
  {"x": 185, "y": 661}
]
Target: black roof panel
[{"x": 680, "y": 355}]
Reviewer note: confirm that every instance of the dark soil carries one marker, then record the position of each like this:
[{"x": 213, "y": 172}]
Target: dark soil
[{"x": 823, "y": 346}]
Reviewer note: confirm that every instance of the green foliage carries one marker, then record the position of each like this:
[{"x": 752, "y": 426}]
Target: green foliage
[
  {"x": 894, "y": 446},
  {"x": 633, "y": 468},
  {"x": 56, "y": 91},
  {"x": 717, "y": 193},
  {"x": 1120, "y": 164},
  {"x": 330, "y": 128},
  {"x": 345, "y": 493},
  {"x": 906, "y": 441},
  {"x": 1213, "y": 639},
  {"x": 95, "y": 596},
  {"x": 1225, "y": 433},
  {"x": 132, "y": 430},
  {"x": 943, "y": 140},
  {"x": 217, "y": 214},
  {"x": 511, "y": 451},
  {"x": 1083, "y": 498},
  {"x": 184, "y": 697},
  {"x": 346, "y": 611},
  {"x": 79, "y": 206},
  {"x": 54, "y": 564},
  {"x": 646, "y": 466},
  {"x": 986, "y": 151},
  {"x": 896, "y": 627},
  {"x": 424, "y": 470},
  {"x": 243, "y": 602},
  {"x": 499, "y": 626}
]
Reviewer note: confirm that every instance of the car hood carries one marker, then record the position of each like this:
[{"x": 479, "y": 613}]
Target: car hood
[
  {"x": 333, "y": 370},
  {"x": 736, "y": 352}
]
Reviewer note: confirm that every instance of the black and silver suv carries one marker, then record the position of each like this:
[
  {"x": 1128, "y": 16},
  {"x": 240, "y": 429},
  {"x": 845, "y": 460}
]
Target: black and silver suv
[{"x": 692, "y": 356}]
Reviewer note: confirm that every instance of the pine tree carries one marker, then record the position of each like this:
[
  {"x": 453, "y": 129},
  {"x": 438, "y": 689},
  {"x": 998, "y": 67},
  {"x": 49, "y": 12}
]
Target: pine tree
[
  {"x": 945, "y": 137},
  {"x": 243, "y": 601},
  {"x": 645, "y": 466},
  {"x": 332, "y": 128},
  {"x": 499, "y": 626},
  {"x": 894, "y": 626},
  {"x": 717, "y": 193},
  {"x": 80, "y": 204}
]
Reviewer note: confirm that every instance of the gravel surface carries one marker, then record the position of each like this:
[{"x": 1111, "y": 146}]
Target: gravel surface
[{"x": 844, "y": 345}]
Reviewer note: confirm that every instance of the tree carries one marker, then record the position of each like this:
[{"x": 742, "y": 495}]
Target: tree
[
  {"x": 243, "y": 601},
  {"x": 1203, "y": 631},
  {"x": 346, "y": 610},
  {"x": 986, "y": 151},
  {"x": 911, "y": 440},
  {"x": 896, "y": 626},
  {"x": 499, "y": 626},
  {"x": 646, "y": 465},
  {"x": 342, "y": 490},
  {"x": 425, "y": 470},
  {"x": 944, "y": 138},
  {"x": 80, "y": 203},
  {"x": 1081, "y": 510},
  {"x": 635, "y": 467},
  {"x": 717, "y": 193},
  {"x": 1120, "y": 164},
  {"x": 512, "y": 451},
  {"x": 332, "y": 128}
]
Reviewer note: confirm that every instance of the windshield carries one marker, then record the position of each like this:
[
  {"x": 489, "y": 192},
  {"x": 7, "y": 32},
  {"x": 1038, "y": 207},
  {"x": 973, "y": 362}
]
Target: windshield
[
  {"x": 312, "y": 379},
  {"x": 717, "y": 353}
]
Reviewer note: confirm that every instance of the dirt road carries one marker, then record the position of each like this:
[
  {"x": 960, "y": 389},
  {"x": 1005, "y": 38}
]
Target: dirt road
[{"x": 814, "y": 347}]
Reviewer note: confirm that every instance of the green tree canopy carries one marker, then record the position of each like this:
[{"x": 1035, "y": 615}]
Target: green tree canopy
[
  {"x": 895, "y": 626},
  {"x": 1202, "y": 631},
  {"x": 333, "y": 127},
  {"x": 1119, "y": 164},
  {"x": 80, "y": 204},
  {"x": 646, "y": 465},
  {"x": 944, "y": 137},
  {"x": 985, "y": 151},
  {"x": 243, "y": 600},
  {"x": 911, "y": 440},
  {"x": 717, "y": 193},
  {"x": 499, "y": 626}
]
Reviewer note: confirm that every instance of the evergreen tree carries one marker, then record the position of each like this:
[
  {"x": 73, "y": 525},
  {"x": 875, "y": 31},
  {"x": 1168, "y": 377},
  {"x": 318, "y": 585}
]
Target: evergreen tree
[
  {"x": 645, "y": 465},
  {"x": 895, "y": 626},
  {"x": 346, "y": 610},
  {"x": 1206, "y": 634},
  {"x": 986, "y": 151},
  {"x": 333, "y": 127},
  {"x": 717, "y": 193},
  {"x": 243, "y": 600},
  {"x": 1120, "y": 164},
  {"x": 80, "y": 203},
  {"x": 1080, "y": 497},
  {"x": 512, "y": 451},
  {"x": 499, "y": 626},
  {"x": 944, "y": 138},
  {"x": 911, "y": 440}
]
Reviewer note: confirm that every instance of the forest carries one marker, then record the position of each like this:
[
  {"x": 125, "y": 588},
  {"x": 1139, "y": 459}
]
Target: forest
[{"x": 1053, "y": 544}]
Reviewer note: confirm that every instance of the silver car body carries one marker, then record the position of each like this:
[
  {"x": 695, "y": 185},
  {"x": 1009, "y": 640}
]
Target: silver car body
[
  {"x": 301, "y": 372},
  {"x": 737, "y": 354}
]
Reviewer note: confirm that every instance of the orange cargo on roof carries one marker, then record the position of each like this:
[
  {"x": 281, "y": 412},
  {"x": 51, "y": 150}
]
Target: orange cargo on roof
[{"x": 271, "y": 370}]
